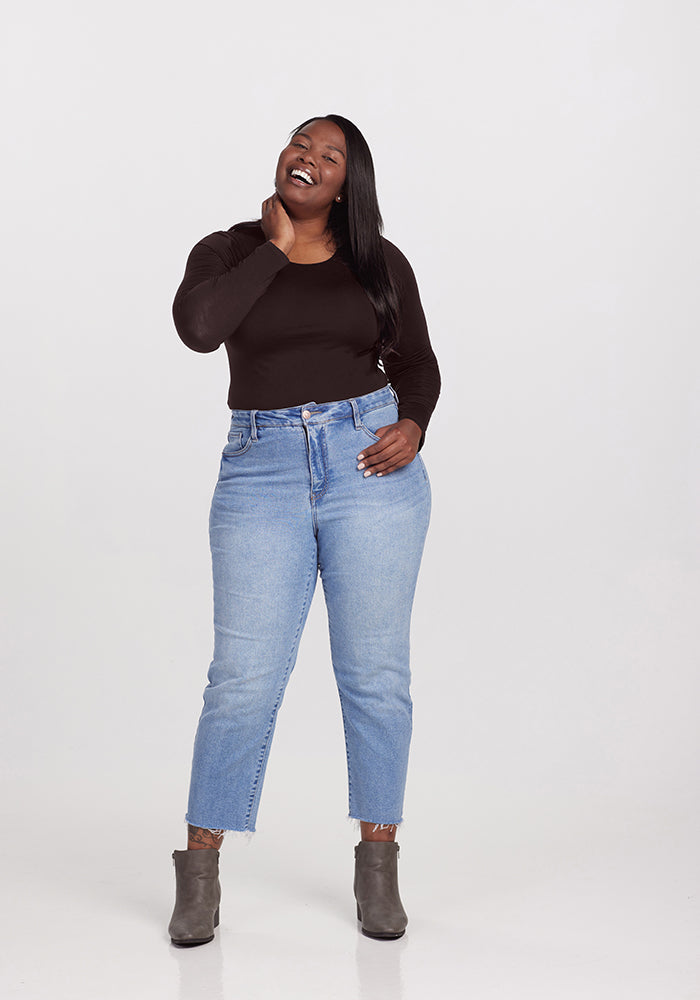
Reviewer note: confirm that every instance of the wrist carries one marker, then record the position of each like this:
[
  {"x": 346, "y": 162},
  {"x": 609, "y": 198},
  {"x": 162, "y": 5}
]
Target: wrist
[
  {"x": 284, "y": 245},
  {"x": 411, "y": 423},
  {"x": 413, "y": 429}
]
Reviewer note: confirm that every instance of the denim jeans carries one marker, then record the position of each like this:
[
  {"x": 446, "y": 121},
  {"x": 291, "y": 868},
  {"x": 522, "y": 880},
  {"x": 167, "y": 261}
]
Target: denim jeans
[{"x": 290, "y": 503}]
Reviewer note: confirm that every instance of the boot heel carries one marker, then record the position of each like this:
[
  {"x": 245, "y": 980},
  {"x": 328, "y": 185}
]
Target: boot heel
[
  {"x": 359, "y": 914},
  {"x": 216, "y": 917}
]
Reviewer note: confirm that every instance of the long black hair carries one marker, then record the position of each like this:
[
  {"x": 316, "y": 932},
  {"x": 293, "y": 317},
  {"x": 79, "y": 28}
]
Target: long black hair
[{"x": 356, "y": 226}]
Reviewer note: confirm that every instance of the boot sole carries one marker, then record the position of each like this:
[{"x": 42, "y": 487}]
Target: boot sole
[
  {"x": 191, "y": 944},
  {"x": 379, "y": 937},
  {"x": 383, "y": 937},
  {"x": 195, "y": 941}
]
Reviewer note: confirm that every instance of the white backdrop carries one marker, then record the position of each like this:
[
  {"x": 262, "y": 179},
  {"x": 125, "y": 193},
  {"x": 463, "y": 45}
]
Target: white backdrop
[{"x": 537, "y": 163}]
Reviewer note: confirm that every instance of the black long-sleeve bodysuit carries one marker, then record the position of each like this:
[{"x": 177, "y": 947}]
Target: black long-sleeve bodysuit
[{"x": 295, "y": 332}]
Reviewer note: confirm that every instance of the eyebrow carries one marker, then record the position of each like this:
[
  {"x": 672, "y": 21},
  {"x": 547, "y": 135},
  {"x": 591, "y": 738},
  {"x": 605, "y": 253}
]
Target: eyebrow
[{"x": 307, "y": 136}]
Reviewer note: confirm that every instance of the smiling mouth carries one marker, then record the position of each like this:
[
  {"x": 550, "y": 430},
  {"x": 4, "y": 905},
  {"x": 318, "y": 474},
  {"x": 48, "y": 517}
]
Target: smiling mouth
[{"x": 301, "y": 177}]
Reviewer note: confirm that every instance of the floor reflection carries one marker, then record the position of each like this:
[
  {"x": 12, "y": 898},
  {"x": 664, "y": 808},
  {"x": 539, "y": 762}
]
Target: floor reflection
[{"x": 379, "y": 967}]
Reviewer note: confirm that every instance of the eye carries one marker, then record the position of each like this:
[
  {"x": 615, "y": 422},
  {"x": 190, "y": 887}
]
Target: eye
[
  {"x": 330, "y": 158},
  {"x": 299, "y": 144}
]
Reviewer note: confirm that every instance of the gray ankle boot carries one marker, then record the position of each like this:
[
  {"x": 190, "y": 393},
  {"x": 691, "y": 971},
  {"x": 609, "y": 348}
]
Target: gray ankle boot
[
  {"x": 377, "y": 889},
  {"x": 197, "y": 896}
]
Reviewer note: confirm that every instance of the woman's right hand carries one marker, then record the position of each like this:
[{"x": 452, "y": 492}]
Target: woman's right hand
[{"x": 276, "y": 224}]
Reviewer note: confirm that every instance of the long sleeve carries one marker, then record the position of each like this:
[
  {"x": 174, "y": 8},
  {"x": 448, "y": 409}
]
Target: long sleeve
[
  {"x": 413, "y": 371},
  {"x": 216, "y": 293}
]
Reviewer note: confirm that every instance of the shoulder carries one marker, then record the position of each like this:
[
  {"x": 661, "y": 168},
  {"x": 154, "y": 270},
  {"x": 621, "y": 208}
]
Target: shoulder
[
  {"x": 233, "y": 244},
  {"x": 397, "y": 262},
  {"x": 247, "y": 233}
]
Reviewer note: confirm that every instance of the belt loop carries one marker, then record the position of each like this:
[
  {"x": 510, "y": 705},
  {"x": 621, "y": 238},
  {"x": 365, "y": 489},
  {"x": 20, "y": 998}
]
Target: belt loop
[
  {"x": 253, "y": 426},
  {"x": 355, "y": 412}
]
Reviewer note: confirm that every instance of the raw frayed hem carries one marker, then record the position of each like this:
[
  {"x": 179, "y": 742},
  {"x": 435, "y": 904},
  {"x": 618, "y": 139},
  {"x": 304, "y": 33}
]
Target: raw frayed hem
[
  {"x": 377, "y": 826},
  {"x": 245, "y": 835}
]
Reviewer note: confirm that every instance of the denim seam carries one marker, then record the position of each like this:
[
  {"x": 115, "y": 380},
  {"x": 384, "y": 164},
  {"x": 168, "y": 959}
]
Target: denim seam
[
  {"x": 267, "y": 741},
  {"x": 241, "y": 451},
  {"x": 342, "y": 704},
  {"x": 425, "y": 474},
  {"x": 347, "y": 751},
  {"x": 326, "y": 470},
  {"x": 375, "y": 437},
  {"x": 371, "y": 433},
  {"x": 236, "y": 451}
]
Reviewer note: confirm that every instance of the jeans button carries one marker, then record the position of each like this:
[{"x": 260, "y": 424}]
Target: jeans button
[{"x": 305, "y": 414}]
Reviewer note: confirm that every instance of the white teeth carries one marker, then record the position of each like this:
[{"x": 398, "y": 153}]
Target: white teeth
[{"x": 302, "y": 173}]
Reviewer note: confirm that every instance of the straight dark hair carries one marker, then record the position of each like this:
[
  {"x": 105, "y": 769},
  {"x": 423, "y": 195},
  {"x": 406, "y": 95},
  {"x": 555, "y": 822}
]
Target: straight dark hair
[{"x": 356, "y": 226}]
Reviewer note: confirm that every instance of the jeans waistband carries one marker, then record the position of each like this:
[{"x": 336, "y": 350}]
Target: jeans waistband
[{"x": 315, "y": 413}]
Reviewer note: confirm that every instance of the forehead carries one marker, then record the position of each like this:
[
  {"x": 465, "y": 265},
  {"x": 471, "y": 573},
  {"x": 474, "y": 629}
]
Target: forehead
[{"x": 325, "y": 133}]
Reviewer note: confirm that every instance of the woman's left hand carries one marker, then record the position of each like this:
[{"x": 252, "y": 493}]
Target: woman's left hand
[{"x": 398, "y": 446}]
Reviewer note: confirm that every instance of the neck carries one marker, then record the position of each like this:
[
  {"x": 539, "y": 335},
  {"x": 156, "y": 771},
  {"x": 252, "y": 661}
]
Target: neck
[{"x": 309, "y": 230}]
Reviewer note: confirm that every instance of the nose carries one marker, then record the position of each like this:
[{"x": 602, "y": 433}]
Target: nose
[{"x": 307, "y": 157}]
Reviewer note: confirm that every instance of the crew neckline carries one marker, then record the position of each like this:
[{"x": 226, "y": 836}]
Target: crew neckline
[{"x": 313, "y": 263}]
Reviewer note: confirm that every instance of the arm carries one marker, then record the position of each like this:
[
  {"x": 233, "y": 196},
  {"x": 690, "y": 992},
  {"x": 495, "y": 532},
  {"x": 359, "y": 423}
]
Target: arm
[
  {"x": 413, "y": 371},
  {"x": 215, "y": 295}
]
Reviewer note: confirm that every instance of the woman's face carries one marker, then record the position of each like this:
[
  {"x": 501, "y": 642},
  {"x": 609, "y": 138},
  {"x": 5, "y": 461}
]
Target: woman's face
[{"x": 318, "y": 150}]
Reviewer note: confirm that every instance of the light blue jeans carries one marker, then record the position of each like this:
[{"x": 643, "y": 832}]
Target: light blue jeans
[{"x": 289, "y": 503}]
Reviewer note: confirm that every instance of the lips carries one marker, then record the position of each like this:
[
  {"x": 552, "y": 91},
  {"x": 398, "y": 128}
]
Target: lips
[{"x": 297, "y": 180}]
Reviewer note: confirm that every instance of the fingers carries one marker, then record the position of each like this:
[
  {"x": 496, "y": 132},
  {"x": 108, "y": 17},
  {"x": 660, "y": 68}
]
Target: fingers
[
  {"x": 274, "y": 220},
  {"x": 389, "y": 465},
  {"x": 392, "y": 452},
  {"x": 270, "y": 204}
]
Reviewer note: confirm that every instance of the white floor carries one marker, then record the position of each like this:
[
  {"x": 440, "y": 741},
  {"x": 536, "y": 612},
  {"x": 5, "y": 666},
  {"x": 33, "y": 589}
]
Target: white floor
[{"x": 600, "y": 905}]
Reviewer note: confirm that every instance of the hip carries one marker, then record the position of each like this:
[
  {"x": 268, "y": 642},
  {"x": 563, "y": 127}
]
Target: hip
[{"x": 310, "y": 450}]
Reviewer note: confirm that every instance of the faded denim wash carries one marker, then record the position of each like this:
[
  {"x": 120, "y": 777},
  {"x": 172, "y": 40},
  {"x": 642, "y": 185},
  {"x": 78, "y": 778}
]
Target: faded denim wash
[{"x": 289, "y": 503}]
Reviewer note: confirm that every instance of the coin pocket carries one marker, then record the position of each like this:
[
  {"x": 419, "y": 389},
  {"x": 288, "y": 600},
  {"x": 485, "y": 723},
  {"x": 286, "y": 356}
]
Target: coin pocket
[{"x": 235, "y": 444}]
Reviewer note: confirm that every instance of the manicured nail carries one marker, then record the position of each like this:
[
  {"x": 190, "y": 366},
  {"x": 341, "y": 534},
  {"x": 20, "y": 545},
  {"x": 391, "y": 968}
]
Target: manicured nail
[
  {"x": 380, "y": 474},
  {"x": 361, "y": 465},
  {"x": 368, "y": 473},
  {"x": 360, "y": 456}
]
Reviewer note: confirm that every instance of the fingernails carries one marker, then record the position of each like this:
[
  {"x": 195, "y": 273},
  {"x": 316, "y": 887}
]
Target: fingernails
[
  {"x": 361, "y": 455},
  {"x": 367, "y": 473},
  {"x": 361, "y": 465}
]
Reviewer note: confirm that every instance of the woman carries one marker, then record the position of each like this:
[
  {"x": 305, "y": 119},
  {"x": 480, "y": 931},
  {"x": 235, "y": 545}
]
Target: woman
[{"x": 308, "y": 300}]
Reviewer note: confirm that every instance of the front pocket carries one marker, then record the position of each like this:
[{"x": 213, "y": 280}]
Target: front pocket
[
  {"x": 375, "y": 437},
  {"x": 234, "y": 445},
  {"x": 383, "y": 415}
]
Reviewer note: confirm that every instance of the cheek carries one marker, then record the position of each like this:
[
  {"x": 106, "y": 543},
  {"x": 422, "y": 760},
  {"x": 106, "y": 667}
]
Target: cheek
[{"x": 335, "y": 177}]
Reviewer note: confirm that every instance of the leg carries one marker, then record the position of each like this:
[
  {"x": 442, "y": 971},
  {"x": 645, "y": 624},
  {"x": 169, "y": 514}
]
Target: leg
[
  {"x": 371, "y": 537},
  {"x": 199, "y": 839},
  {"x": 264, "y": 562},
  {"x": 378, "y": 832}
]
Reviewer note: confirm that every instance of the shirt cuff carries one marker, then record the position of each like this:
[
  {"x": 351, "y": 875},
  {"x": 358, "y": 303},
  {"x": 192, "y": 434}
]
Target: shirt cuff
[
  {"x": 276, "y": 251},
  {"x": 406, "y": 414}
]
